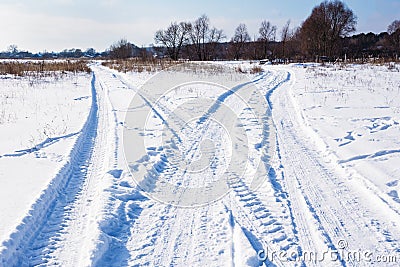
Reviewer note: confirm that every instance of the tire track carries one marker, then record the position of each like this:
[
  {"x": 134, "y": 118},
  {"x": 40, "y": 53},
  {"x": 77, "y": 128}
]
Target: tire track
[
  {"x": 165, "y": 235},
  {"x": 330, "y": 206},
  {"x": 60, "y": 205}
]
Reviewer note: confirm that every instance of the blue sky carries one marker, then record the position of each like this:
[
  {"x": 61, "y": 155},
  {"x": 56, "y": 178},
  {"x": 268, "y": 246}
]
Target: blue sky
[{"x": 54, "y": 25}]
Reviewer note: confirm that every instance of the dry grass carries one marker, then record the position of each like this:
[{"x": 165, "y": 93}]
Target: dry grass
[
  {"x": 139, "y": 65},
  {"x": 256, "y": 69},
  {"x": 253, "y": 70},
  {"x": 43, "y": 68},
  {"x": 240, "y": 69}
]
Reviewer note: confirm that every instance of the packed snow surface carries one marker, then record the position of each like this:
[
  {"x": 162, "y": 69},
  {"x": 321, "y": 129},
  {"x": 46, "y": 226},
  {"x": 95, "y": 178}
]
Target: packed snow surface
[{"x": 320, "y": 185}]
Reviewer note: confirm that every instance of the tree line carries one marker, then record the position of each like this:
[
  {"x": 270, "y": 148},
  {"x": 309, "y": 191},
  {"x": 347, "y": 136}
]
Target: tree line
[{"x": 324, "y": 35}]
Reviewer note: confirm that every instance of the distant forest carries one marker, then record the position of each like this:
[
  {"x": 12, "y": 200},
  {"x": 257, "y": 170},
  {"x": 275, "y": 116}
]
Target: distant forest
[{"x": 324, "y": 36}]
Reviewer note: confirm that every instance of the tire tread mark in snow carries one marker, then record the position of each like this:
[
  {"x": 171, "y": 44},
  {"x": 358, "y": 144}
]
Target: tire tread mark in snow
[
  {"x": 41, "y": 229},
  {"x": 57, "y": 219},
  {"x": 335, "y": 211},
  {"x": 270, "y": 232},
  {"x": 249, "y": 210},
  {"x": 125, "y": 202}
]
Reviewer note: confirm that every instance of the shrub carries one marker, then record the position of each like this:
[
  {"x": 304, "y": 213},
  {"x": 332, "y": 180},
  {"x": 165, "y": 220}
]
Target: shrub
[
  {"x": 139, "y": 64},
  {"x": 43, "y": 68}
]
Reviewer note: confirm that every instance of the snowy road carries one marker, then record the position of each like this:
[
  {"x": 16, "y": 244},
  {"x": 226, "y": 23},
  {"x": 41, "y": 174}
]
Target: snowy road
[
  {"x": 332, "y": 210},
  {"x": 225, "y": 232},
  {"x": 111, "y": 204}
]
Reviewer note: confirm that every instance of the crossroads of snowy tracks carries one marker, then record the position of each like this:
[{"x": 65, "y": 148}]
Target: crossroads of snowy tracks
[
  {"x": 95, "y": 213},
  {"x": 254, "y": 202}
]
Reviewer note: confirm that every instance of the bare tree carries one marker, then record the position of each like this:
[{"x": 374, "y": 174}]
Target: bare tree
[
  {"x": 90, "y": 52},
  {"x": 204, "y": 38},
  {"x": 239, "y": 40},
  {"x": 393, "y": 27},
  {"x": 13, "y": 49},
  {"x": 293, "y": 46},
  {"x": 198, "y": 35},
  {"x": 121, "y": 49},
  {"x": 328, "y": 23},
  {"x": 394, "y": 36},
  {"x": 267, "y": 34},
  {"x": 215, "y": 36},
  {"x": 174, "y": 37},
  {"x": 285, "y": 35}
]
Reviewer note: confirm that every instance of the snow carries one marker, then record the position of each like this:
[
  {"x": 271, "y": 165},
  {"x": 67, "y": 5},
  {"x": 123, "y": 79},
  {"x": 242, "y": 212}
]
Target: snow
[
  {"x": 38, "y": 126},
  {"x": 334, "y": 202},
  {"x": 85, "y": 171},
  {"x": 355, "y": 111}
]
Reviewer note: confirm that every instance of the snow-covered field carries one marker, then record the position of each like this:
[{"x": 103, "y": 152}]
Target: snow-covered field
[
  {"x": 339, "y": 172},
  {"x": 86, "y": 175},
  {"x": 39, "y": 124},
  {"x": 356, "y": 113}
]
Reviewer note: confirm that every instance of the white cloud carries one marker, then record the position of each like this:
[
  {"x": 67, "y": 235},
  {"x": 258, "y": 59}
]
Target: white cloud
[
  {"x": 36, "y": 32},
  {"x": 108, "y": 3},
  {"x": 65, "y": 2}
]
